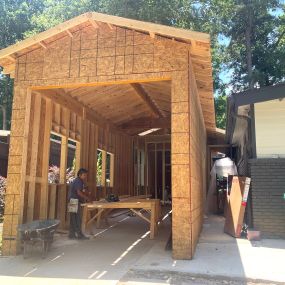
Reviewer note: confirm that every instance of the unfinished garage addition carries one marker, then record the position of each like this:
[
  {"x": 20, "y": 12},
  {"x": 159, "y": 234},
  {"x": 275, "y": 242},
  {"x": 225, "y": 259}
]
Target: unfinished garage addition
[{"x": 135, "y": 94}]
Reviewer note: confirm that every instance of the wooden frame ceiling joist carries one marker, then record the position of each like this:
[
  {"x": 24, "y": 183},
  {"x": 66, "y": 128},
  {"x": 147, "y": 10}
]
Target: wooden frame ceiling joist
[
  {"x": 147, "y": 99},
  {"x": 62, "y": 98}
]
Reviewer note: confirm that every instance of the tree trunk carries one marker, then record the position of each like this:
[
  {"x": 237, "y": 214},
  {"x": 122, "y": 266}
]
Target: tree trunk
[{"x": 248, "y": 35}]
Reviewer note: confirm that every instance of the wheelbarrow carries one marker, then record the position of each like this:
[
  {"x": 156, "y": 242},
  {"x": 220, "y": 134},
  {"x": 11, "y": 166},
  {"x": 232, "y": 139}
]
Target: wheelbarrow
[{"x": 38, "y": 231}]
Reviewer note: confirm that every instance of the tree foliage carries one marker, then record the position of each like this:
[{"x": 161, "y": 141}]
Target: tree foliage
[{"x": 247, "y": 36}]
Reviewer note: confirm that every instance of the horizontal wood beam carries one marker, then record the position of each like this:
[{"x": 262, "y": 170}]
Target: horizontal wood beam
[
  {"x": 147, "y": 99},
  {"x": 151, "y": 27},
  {"x": 147, "y": 123}
]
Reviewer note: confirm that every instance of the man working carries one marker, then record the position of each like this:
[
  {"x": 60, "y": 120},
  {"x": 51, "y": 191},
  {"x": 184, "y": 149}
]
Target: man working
[{"x": 77, "y": 192}]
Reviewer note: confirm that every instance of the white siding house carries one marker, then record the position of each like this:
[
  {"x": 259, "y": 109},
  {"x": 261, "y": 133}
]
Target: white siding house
[{"x": 270, "y": 128}]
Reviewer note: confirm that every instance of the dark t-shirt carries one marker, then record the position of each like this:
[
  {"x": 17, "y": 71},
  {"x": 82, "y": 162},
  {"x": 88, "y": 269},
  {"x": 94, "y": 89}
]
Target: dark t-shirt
[{"x": 77, "y": 184}]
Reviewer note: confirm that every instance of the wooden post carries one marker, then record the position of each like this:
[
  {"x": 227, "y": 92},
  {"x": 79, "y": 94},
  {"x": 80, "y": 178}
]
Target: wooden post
[
  {"x": 155, "y": 169},
  {"x": 153, "y": 220},
  {"x": 145, "y": 168},
  {"x": 112, "y": 165},
  {"x": 62, "y": 206},
  {"x": 103, "y": 176},
  {"x": 52, "y": 204},
  {"x": 95, "y": 162},
  {"x": 34, "y": 156},
  {"x": 163, "y": 172},
  {"x": 138, "y": 172},
  {"x": 62, "y": 180},
  {"x": 77, "y": 157},
  {"x": 45, "y": 160}
]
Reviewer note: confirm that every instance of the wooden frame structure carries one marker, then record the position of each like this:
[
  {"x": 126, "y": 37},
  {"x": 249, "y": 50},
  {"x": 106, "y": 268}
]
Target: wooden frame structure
[{"x": 101, "y": 80}]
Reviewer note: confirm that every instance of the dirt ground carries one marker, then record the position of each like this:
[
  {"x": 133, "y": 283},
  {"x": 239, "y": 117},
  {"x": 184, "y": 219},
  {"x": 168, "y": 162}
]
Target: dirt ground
[{"x": 160, "y": 277}]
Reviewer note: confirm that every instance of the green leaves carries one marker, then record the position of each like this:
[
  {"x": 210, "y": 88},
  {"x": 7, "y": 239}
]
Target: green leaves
[
  {"x": 247, "y": 36},
  {"x": 221, "y": 106}
]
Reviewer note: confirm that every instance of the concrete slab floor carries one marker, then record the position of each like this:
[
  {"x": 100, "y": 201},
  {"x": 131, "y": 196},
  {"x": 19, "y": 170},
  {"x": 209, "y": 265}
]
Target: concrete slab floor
[
  {"x": 124, "y": 254},
  {"x": 106, "y": 257},
  {"x": 219, "y": 255}
]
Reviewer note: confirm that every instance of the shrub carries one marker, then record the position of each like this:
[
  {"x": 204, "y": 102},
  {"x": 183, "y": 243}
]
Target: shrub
[
  {"x": 2, "y": 195},
  {"x": 53, "y": 175}
]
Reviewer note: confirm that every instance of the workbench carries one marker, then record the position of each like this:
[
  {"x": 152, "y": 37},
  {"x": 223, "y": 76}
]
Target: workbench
[{"x": 147, "y": 209}]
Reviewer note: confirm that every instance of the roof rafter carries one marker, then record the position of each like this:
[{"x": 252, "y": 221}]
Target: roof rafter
[
  {"x": 147, "y": 99},
  {"x": 59, "y": 96}
]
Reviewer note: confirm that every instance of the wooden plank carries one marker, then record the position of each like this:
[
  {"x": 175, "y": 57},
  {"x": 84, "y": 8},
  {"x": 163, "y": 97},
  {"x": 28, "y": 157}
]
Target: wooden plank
[
  {"x": 101, "y": 83},
  {"x": 163, "y": 172},
  {"x": 147, "y": 99},
  {"x": 42, "y": 44},
  {"x": 150, "y": 27},
  {"x": 63, "y": 159},
  {"x": 69, "y": 33},
  {"x": 34, "y": 179},
  {"x": 84, "y": 218},
  {"x": 152, "y": 221},
  {"x": 45, "y": 160},
  {"x": 62, "y": 170},
  {"x": 140, "y": 215},
  {"x": 112, "y": 169},
  {"x": 155, "y": 170},
  {"x": 60, "y": 97},
  {"x": 27, "y": 127},
  {"x": 34, "y": 156},
  {"x": 91, "y": 160},
  {"x": 77, "y": 157},
  {"x": 94, "y": 24},
  {"x": 52, "y": 201},
  {"x": 147, "y": 123},
  {"x": 95, "y": 160},
  {"x": 103, "y": 177},
  {"x": 145, "y": 168}
]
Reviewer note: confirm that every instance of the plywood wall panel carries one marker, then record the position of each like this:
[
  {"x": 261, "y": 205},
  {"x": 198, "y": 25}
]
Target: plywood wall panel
[{"x": 197, "y": 159}]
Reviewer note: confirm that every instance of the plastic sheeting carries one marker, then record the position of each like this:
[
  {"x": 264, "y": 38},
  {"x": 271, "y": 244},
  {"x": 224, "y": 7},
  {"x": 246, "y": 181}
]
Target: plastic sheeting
[{"x": 222, "y": 167}]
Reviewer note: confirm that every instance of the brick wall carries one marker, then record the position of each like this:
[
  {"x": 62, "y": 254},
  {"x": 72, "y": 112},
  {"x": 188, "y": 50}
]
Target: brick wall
[{"x": 268, "y": 188}]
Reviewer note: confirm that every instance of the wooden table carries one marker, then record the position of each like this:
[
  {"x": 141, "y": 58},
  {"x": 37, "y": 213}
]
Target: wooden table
[{"x": 151, "y": 206}]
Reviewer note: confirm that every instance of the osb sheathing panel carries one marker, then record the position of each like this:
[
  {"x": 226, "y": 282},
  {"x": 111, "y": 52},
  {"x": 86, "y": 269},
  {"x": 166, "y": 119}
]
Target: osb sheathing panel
[
  {"x": 180, "y": 153},
  {"x": 102, "y": 52},
  {"x": 198, "y": 141},
  {"x": 13, "y": 212},
  {"x": 104, "y": 55}
]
